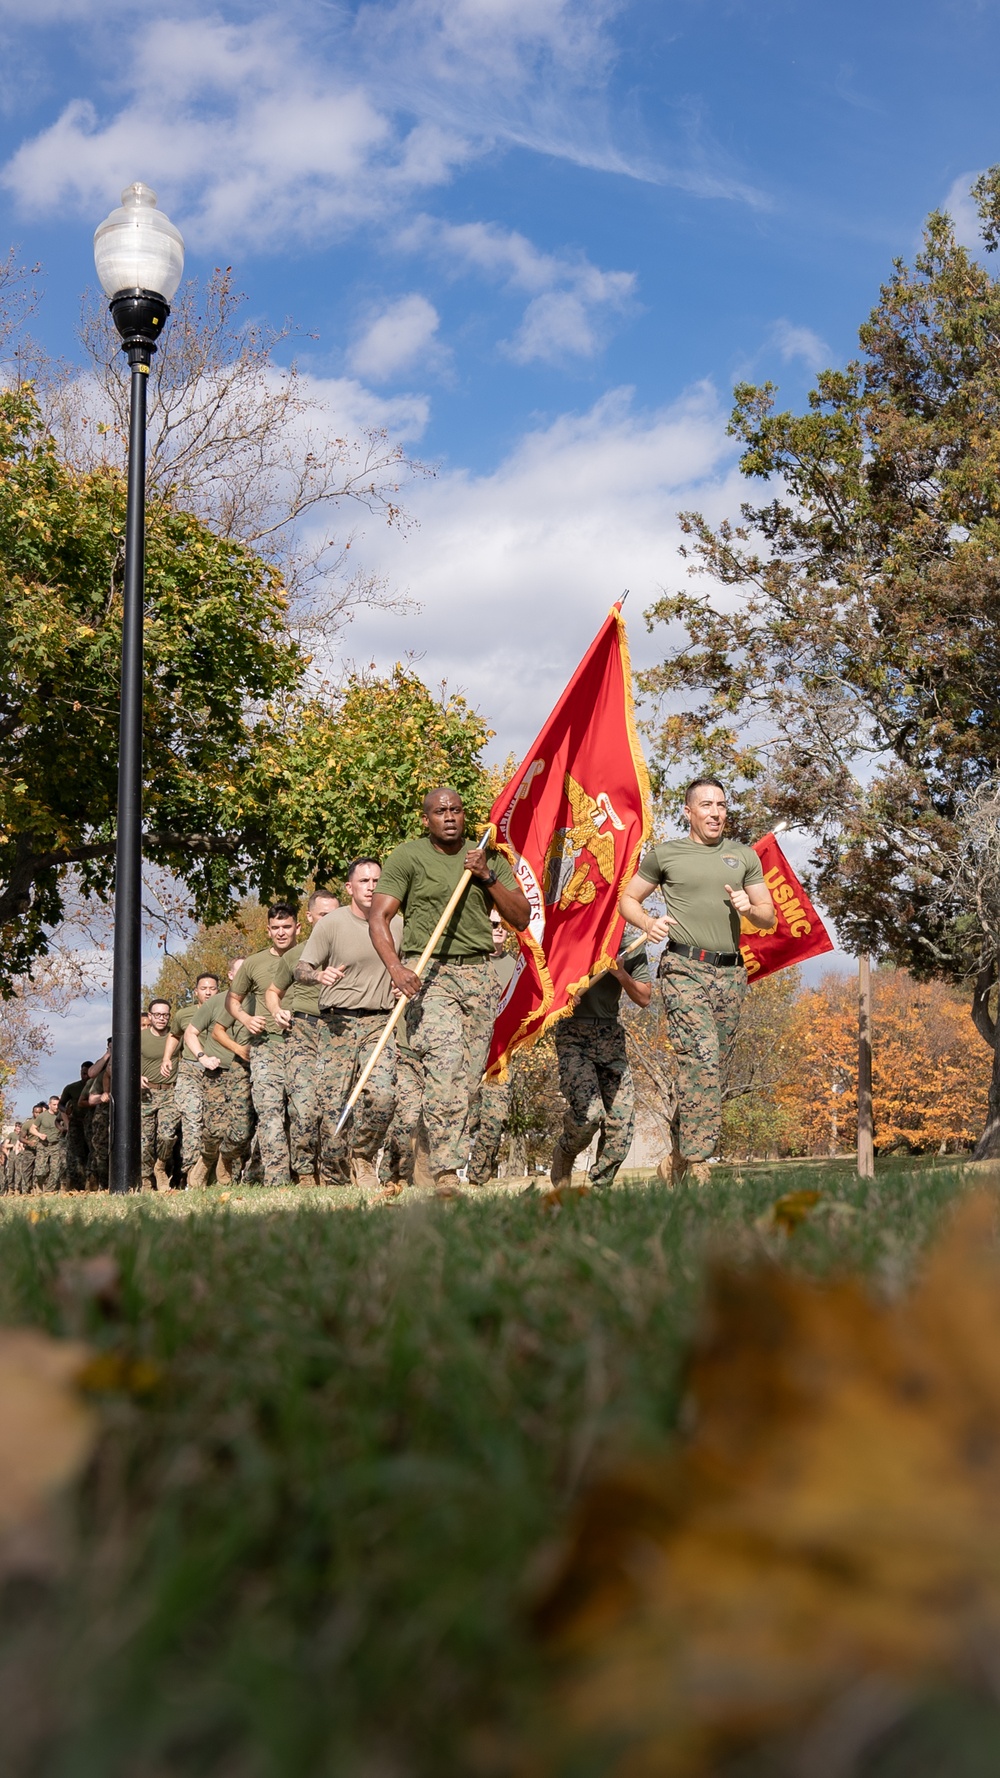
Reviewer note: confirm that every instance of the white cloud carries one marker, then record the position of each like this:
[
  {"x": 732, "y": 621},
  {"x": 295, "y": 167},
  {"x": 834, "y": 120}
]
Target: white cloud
[
  {"x": 961, "y": 207},
  {"x": 799, "y": 342},
  {"x": 397, "y": 338},
  {"x": 514, "y": 570},
  {"x": 574, "y": 298}
]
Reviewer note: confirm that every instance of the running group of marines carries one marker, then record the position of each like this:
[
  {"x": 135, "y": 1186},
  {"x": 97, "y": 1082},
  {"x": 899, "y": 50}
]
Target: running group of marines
[{"x": 248, "y": 1079}]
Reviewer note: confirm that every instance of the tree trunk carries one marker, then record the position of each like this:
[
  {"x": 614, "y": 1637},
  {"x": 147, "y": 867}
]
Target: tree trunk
[{"x": 988, "y": 1146}]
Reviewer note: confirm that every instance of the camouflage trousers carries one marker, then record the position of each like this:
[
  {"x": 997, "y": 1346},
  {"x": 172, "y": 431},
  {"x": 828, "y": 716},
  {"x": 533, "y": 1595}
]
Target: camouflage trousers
[
  {"x": 159, "y": 1120},
  {"x": 225, "y": 1114},
  {"x": 269, "y": 1091},
  {"x": 702, "y": 1004},
  {"x": 188, "y": 1101},
  {"x": 302, "y": 1071},
  {"x": 24, "y": 1171},
  {"x": 448, "y": 1031},
  {"x": 77, "y": 1156},
  {"x": 488, "y": 1121},
  {"x": 596, "y": 1082},
  {"x": 346, "y": 1041},
  {"x": 397, "y": 1154},
  {"x": 100, "y": 1143},
  {"x": 49, "y": 1166}
]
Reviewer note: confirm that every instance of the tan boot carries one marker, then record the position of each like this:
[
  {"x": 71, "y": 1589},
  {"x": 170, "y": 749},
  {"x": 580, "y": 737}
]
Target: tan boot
[
  {"x": 222, "y": 1174},
  {"x": 197, "y": 1175},
  {"x": 447, "y": 1184},
  {"x": 148, "y": 1183},
  {"x": 561, "y": 1170},
  {"x": 422, "y": 1175},
  {"x": 162, "y": 1177},
  {"x": 363, "y": 1174}
]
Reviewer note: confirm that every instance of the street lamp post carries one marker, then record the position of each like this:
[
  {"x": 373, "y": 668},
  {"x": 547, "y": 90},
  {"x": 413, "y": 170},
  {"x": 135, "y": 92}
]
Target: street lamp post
[{"x": 139, "y": 256}]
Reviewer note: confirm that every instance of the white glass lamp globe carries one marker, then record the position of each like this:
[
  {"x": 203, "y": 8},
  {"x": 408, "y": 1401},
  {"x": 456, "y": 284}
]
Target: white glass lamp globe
[{"x": 138, "y": 248}]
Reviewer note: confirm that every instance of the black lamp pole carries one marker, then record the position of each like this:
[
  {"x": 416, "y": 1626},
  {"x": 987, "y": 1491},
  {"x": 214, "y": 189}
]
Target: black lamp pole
[{"x": 139, "y": 316}]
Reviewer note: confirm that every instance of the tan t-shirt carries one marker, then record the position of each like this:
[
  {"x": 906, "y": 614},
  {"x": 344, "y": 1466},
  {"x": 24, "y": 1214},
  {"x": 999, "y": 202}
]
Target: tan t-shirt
[{"x": 343, "y": 939}]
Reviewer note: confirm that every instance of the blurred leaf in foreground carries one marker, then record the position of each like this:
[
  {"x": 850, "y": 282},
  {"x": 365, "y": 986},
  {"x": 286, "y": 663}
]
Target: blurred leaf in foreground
[
  {"x": 829, "y": 1530},
  {"x": 46, "y": 1435}
]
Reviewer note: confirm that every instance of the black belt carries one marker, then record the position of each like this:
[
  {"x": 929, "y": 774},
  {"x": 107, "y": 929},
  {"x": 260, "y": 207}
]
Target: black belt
[
  {"x": 355, "y": 1012},
  {"x": 313, "y": 1017},
  {"x": 471, "y": 957},
  {"x": 721, "y": 959}
]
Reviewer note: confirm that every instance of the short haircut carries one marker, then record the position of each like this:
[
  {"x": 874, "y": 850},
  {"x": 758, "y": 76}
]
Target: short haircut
[
  {"x": 159, "y": 1001},
  {"x": 282, "y": 910},
  {"x": 39, "y": 1105},
  {"x": 84, "y": 1065},
  {"x": 321, "y": 895},
  {"x": 441, "y": 790},
  {"x": 356, "y": 864},
  {"x": 207, "y": 975},
  {"x": 697, "y": 783}
]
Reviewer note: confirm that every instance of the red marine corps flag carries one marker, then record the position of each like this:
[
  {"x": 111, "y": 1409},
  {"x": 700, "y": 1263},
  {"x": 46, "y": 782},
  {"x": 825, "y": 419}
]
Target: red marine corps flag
[
  {"x": 573, "y": 822},
  {"x": 798, "y": 932}
]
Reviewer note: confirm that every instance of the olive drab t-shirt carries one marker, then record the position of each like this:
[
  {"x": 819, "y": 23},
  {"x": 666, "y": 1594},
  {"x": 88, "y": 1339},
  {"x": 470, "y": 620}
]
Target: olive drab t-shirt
[
  {"x": 343, "y": 939},
  {"x": 46, "y": 1122},
  {"x": 69, "y": 1098},
  {"x": 179, "y": 1023},
  {"x": 421, "y": 879},
  {"x": 295, "y": 996},
  {"x": 255, "y": 976},
  {"x": 602, "y": 999},
  {"x": 693, "y": 881},
  {"x": 214, "y": 1013},
  {"x": 152, "y": 1045}
]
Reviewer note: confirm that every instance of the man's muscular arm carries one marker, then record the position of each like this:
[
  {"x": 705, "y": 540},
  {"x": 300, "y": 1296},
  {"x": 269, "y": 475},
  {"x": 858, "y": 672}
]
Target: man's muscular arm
[
  {"x": 630, "y": 906},
  {"x": 753, "y": 904},
  {"x": 511, "y": 904},
  {"x": 385, "y": 908}
]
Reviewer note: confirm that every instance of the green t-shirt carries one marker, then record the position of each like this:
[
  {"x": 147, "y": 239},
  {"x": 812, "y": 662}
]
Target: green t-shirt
[
  {"x": 214, "y": 1013},
  {"x": 24, "y": 1135},
  {"x": 69, "y": 1099},
  {"x": 421, "y": 879},
  {"x": 693, "y": 880},
  {"x": 152, "y": 1045},
  {"x": 256, "y": 975},
  {"x": 178, "y": 1025},
  {"x": 46, "y": 1122},
  {"x": 295, "y": 996},
  {"x": 601, "y": 1001}
]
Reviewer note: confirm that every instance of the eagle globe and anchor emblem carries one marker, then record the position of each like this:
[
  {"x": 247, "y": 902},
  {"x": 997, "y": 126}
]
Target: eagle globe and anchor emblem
[{"x": 566, "y": 876}]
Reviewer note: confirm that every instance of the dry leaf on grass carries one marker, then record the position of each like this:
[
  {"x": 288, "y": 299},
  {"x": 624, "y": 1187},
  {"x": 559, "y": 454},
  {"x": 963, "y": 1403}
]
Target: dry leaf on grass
[
  {"x": 46, "y": 1435},
  {"x": 833, "y": 1522},
  {"x": 789, "y": 1211}
]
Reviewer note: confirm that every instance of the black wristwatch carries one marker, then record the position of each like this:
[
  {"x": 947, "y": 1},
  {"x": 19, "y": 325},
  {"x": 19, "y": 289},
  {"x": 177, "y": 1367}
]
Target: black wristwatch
[{"x": 490, "y": 878}]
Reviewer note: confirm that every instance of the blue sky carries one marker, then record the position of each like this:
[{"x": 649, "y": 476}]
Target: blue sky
[{"x": 540, "y": 239}]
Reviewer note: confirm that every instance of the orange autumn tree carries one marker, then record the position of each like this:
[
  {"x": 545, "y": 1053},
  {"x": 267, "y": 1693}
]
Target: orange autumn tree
[{"x": 930, "y": 1083}]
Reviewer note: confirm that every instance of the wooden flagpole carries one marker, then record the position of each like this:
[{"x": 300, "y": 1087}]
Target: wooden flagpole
[{"x": 400, "y": 1006}]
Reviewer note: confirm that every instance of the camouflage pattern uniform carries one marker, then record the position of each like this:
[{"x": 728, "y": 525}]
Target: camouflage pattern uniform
[
  {"x": 302, "y": 1072},
  {"x": 269, "y": 1090},
  {"x": 596, "y": 1082},
  {"x": 49, "y": 1160},
  {"x": 448, "y": 1028},
  {"x": 225, "y": 1114},
  {"x": 160, "y": 1121},
  {"x": 702, "y": 1003},
  {"x": 100, "y": 1143},
  {"x": 346, "y": 1040},
  {"x": 24, "y": 1169},
  {"x": 397, "y": 1154},
  {"x": 187, "y": 1096},
  {"x": 488, "y": 1121}
]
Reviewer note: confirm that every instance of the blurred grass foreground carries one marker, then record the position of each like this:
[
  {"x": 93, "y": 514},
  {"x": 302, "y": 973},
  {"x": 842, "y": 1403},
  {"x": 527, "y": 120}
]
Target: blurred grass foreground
[{"x": 504, "y": 1488}]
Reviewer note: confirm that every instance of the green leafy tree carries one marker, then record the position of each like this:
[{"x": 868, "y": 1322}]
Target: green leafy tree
[
  {"x": 844, "y": 671},
  {"x": 250, "y": 780}
]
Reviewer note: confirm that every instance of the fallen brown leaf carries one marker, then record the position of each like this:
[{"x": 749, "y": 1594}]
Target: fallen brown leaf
[
  {"x": 46, "y": 1435},
  {"x": 832, "y": 1524},
  {"x": 558, "y": 1195},
  {"x": 789, "y": 1211}
]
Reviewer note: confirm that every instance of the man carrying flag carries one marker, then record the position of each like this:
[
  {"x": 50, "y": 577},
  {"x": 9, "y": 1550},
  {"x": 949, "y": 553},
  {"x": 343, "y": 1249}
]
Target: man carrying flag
[
  {"x": 710, "y": 885},
  {"x": 450, "y": 1017}
]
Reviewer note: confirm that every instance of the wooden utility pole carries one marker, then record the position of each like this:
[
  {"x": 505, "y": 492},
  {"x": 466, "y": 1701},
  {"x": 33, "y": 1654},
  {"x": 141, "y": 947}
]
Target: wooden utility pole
[{"x": 866, "y": 1132}]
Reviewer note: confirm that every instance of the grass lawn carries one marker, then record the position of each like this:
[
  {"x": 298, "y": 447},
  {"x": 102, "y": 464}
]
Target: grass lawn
[{"x": 320, "y": 1504}]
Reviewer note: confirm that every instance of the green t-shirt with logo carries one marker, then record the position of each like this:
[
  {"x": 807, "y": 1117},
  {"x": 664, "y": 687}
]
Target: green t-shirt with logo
[
  {"x": 152, "y": 1046},
  {"x": 255, "y": 976},
  {"x": 421, "y": 879},
  {"x": 693, "y": 879},
  {"x": 601, "y": 1001}
]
